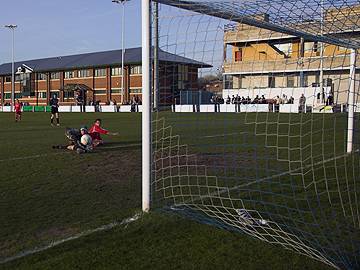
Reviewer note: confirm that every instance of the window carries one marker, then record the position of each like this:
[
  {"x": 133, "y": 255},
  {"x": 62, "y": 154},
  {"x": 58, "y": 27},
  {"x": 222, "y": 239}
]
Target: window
[
  {"x": 7, "y": 95},
  {"x": 54, "y": 75},
  {"x": 18, "y": 95},
  {"x": 69, "y": 74},
  {"x": 310, "y": 47},
  {"x": 238, "y": 55},
  {"x": 136, "y": 70},
  {"x": 84, "y": 73},
  {"x": 135, "y": 91},
  {"x": 17, "y": 78},
  {"x": 42, "y": 95},
  {"x": 116, "y": 71},
  {"x": 271, "y": 82},
  {"x": 100, "y": 72},
  {"x": 183, "y": 76},
  {"x": 340, "y": 48},
  {"x": 304, "y": 80},
  {"x": 57, "y": 93},
  {"x": 228, "y": 81},
  {"x": 8, "y": 79},
  {"x": 100, "y": 92},
  {"x": 68, "y": 94},
  {"x": 116, "y": 91},
  {"x": 41, "y": 76},
  {"x": 290, "y": 81}
]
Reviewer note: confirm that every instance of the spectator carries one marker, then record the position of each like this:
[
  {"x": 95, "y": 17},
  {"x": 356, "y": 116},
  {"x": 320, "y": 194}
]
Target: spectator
[
  {"x": 256, "y": 100},
  {"x": 291, "y": 100},
  {"x": 284, "y": 99},
  {"x": 97, "y": 106},
  {"x": 263, "y": 99},
  {"x": 302, "y": 103},
  {"x": 237, "y": 103},
  {"x": 330, "y": 100},
  {"x": 228, "y": 100},
  {"x": 137, "y": 102}
]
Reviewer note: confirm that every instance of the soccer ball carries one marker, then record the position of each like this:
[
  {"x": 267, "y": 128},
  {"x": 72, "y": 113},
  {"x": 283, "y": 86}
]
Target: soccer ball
[{"x": 86, "y": 140}]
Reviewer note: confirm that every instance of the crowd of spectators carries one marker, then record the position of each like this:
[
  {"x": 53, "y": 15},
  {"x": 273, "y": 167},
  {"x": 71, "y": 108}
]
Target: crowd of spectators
[{"x": 258, "y": 100}]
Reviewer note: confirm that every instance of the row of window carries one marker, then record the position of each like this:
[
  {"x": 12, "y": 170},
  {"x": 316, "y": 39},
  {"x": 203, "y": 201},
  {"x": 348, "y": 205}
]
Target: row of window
[
  {"x": 71, "y": 94},
  {"x": 20, "y": 95},
  {"x": 83, "y": 73},
  {"x": 274, "y": 81},
  {"x": 287, "y": 49}
]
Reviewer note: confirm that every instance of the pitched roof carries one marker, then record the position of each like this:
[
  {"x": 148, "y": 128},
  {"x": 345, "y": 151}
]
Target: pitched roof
[{"x": 95, "y": 59}]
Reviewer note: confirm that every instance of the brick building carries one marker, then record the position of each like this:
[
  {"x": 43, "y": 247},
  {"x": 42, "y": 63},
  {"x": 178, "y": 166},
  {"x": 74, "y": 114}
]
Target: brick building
[
  {"x": 97, "y": 76},
  {"x": 260, "y": 61}
]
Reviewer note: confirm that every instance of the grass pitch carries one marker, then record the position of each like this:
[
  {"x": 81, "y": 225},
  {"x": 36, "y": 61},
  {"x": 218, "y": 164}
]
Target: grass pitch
[{"x": 48, "y": 195}]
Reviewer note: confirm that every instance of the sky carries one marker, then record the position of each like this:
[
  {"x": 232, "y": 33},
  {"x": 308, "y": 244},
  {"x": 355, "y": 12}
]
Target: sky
[{"x": 49, "y": 28}]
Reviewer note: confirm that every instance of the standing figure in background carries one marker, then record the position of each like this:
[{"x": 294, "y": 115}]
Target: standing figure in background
[
  {"x": 137, "y": 101},
  {"x": 54, "y": 103},
  {"x": 302, "y": 102},
  {"x": 17, "y": 108}
]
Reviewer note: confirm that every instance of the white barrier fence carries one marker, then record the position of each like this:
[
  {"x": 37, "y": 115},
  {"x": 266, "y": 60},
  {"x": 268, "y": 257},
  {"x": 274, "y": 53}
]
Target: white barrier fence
[
  {"x": 283, "y": 108},
  {"x": 288, "y": 108}
]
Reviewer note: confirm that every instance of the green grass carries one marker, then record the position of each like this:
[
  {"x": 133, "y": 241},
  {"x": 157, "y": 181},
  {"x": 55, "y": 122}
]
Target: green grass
[{"x": 56, "y": 194}]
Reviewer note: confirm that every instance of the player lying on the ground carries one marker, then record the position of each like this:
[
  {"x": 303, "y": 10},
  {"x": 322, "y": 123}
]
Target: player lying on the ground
[
  {"x": 79, "y": 140},
  {"x": 95, "y": 132}
]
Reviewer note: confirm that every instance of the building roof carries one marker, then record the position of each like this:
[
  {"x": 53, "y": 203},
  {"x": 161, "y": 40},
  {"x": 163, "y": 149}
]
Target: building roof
[{"x": 95, "y": 59}]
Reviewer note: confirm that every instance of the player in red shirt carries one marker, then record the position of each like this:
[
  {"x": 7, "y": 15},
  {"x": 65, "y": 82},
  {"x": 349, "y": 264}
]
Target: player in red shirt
[
  {"x": 95, "y": 132},
  {"x": 17, "y": 108}
]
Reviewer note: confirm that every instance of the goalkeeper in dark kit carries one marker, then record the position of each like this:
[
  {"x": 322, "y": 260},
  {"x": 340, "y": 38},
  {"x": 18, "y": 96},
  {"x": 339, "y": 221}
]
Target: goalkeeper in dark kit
[{"x": 79, "y": 140}]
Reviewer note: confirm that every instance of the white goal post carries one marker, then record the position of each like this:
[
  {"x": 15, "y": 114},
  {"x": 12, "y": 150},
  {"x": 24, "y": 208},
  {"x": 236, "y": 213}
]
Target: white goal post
[{"x": 146, "y": 102}]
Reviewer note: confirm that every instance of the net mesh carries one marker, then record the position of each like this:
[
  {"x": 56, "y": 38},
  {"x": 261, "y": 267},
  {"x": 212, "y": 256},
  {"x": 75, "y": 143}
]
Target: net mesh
[{"x": 252, "y": 136}]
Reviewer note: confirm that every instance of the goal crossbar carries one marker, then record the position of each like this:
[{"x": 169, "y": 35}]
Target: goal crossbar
[{"x": 220, "y": 10}]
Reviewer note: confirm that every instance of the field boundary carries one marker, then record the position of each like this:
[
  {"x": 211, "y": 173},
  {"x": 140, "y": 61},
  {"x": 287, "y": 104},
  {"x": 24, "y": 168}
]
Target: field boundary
[{"x": 103, "y": 228}]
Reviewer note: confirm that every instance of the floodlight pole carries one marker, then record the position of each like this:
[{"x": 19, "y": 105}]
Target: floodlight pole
[
  {"x": 122, "y": 44},
  {"x": 351, "y": 101},
  {"x": 146, "y": 105},
  {"x": 12, "y": 27}
]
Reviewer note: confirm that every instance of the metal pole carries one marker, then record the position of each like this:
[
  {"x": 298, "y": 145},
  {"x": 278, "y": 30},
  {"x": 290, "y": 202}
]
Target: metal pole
[
  {"x": 322, "y": 54},
  {"x": 123, "y": 50},
  {"x": 350, "y": 129},
  {"x": 13, "y": 71},
  {"x": 146, "y": 103},
  {"x": 156, "y": 56}
]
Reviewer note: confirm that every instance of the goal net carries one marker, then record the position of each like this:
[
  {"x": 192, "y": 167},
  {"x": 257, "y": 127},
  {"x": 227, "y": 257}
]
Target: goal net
[{"x": 254, "y": 127}]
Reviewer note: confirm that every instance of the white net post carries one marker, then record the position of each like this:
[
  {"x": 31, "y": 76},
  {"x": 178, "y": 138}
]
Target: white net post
[
  {"x": 146, "y": 104},
  {"x": 351, "y": 104}
]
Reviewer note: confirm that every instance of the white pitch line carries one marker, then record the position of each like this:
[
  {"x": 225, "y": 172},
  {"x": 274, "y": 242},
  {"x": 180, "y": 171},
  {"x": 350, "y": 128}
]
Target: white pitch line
[
  {"x": 220, "y": 135},
  {"x": 103, "y": 228}
]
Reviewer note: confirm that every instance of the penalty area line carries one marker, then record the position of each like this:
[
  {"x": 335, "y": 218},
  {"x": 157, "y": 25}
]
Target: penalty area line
[{"x": 103, "y": 228}]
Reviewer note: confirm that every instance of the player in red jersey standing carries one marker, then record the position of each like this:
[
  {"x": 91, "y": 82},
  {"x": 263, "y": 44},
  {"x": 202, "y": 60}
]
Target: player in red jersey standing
[
  {"x": 17, "y": 108},
  {"x": 95, "y": 132}
]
